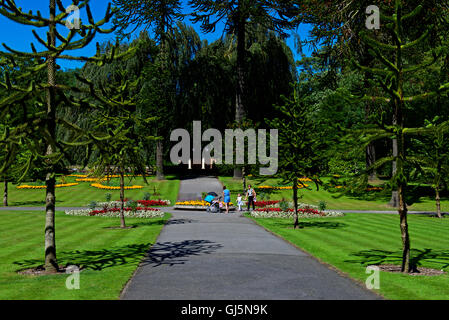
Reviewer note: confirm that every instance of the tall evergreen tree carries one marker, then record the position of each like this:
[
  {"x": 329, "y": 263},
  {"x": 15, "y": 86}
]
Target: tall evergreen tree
[
  {"x": 396, "y": 58},
  {"x": 278, "y": 16},
  {"x": 299, "y": 143},
  {"x": 37, "y": 128}
]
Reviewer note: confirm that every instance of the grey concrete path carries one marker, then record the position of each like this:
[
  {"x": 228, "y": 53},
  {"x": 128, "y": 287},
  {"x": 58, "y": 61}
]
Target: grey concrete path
[
  {"x": 215, "y": 257},
  {"x": 191, "y": 188}
]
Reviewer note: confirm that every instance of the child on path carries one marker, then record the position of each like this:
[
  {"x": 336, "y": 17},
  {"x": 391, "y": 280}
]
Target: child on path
[{"x": 239, "y": 201}]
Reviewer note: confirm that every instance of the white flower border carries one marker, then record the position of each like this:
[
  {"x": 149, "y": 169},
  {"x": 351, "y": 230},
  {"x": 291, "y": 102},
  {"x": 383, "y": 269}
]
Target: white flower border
[
  {"x": 290, "y": 215},
  {"x": 130, "y": 214}
]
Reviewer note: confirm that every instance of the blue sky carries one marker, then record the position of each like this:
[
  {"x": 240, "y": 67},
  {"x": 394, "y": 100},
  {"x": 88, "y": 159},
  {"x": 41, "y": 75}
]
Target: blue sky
[{"x": 19, "y": 37}]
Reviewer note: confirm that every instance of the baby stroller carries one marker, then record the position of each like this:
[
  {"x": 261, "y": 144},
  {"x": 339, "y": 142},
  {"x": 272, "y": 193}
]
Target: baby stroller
[{"x": 214, "y": 200}]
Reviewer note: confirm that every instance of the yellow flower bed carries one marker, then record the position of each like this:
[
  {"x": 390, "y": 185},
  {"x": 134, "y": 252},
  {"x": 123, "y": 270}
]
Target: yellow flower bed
[
  {"x": 62, "y": 185},
  {"x": 282, "y": 188},
  {"x": 193, "y": 203},
  {"x": 89, "y": 179},
  {"x": 100, "y": 186},
  {"x": 77, "y": 175}
]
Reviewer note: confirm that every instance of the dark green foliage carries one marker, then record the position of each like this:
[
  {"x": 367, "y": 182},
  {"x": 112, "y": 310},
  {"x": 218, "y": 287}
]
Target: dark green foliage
[{"x": 299, "y": 143}]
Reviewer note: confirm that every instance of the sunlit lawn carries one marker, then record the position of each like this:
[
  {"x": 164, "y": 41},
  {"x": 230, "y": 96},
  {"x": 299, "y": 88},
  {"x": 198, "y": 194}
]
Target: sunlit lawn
[
  {"x": 109, "y": 256},
  {"x": 424, "y": 203},
  {"x": 357, "y": 240},
  {"x": 83, "y": 194}
]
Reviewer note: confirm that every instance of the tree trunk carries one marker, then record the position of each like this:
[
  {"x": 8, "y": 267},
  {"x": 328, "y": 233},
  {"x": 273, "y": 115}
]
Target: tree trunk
[
  {"x": 241, "y": 79},
  {"x": 438, "y": 203},
  {"x": 370, "y": 160},
  {"x": 159, "y": 161},
  {"x": 394, "y": 201},
  {"x": 295, "y": 202},
  {"x": 51, "y": 264},
  {"x": 122, "y": 199},
  {"x": 370, "y": 152},
  {"x": 5, "y": 194},
  {"x": 405, "y": 267}
]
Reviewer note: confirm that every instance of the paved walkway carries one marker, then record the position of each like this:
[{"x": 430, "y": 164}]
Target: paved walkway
[
  {"x": 191, "y": 188},
  {"x": 217, "y": 256}
]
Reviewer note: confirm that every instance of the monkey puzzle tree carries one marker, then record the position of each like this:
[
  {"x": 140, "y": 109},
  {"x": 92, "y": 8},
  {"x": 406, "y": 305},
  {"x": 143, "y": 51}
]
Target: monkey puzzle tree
[
  {"x": 237, "y": 15},
  {"x": 431, "y": 158},
  {"x": 36, "y": 129},
  {"x": 338, "y": 25},
  {"x": 161, "y": 15},
  {"x": 298, "y": 143},
  {"x": 394, "y": 51}
]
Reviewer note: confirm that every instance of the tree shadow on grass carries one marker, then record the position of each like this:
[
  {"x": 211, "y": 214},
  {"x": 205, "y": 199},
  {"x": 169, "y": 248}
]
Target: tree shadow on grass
[
  {"x": 148, "y": 223},
  {"x": 27, "y": 203},
  {"x": 166, "y": 253},
  {"x": 95, "y": 259},
  {"x": 314, "y": 224},
  {"x": 173, "y": 253},
  {"x": 418, "y": 257}
]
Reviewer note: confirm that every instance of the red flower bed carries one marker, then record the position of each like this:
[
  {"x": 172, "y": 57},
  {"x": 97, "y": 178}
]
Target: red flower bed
[
  {"x": 265, "y": 203},
  {"x": 148, "y": 203}
]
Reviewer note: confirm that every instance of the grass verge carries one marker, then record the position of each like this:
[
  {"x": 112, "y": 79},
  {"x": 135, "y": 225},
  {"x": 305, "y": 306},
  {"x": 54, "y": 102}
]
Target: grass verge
[
  {"x": 108, "y": 256},
  {"x": 83, "y": 193},
  {"x": 355, "y": 241},
  {"x": 423, "y": 203}
]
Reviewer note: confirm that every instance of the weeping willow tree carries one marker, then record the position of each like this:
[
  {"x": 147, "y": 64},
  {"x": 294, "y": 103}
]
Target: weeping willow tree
[
  {"x": 392, "y": 50},
  {"x": 237, "y": 16},
  {"x": 35, "y": 128}
]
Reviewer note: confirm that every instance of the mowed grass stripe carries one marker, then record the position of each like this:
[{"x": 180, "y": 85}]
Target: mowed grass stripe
[
  {"x": 82, "y": 239},
  {"x": 376, "y": 232}
]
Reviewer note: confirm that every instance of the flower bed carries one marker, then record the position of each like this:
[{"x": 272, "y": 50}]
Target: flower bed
[
  {"x": 89, "y": 179},
  {"x": 151, "y": 203},
  {"x": 62, "y": 185},
  {"x": 290, "y": 213},
  {"x": 266, "y": 204},
  {"x": 139, "y": 212},
  {"x": 143, "y": 203},
  {"x": 300, "y": 186},
  {"x": 100, "y": 186},
  {"x": 198, "y": 205}
]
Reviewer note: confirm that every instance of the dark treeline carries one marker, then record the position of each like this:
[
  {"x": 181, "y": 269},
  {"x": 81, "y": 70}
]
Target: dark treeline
[{"x": 201, "y": 81}]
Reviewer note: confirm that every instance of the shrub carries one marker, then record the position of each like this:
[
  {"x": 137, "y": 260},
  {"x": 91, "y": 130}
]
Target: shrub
[
  {"x": 283, "y": 205},
  {"x": 132, "y": 204},
  {"x": 108, "y": 197},
  {"x": 147, "y": 196},
  {"x": 322, "y": 205}
]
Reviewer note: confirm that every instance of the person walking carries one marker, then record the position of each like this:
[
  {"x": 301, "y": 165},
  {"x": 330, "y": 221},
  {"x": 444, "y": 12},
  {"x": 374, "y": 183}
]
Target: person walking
[
  {"x": 250, "y": 195},
  {"x": 226, "y": 198}
]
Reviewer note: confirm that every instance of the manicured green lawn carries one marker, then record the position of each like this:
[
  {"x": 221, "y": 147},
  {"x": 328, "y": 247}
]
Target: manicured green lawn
[
  {"x": 109, "y": 256},
  {"x": 424, "y": 203},
  {"x": 83, "y": 194},
  {"x": 352, "y": 242}
]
